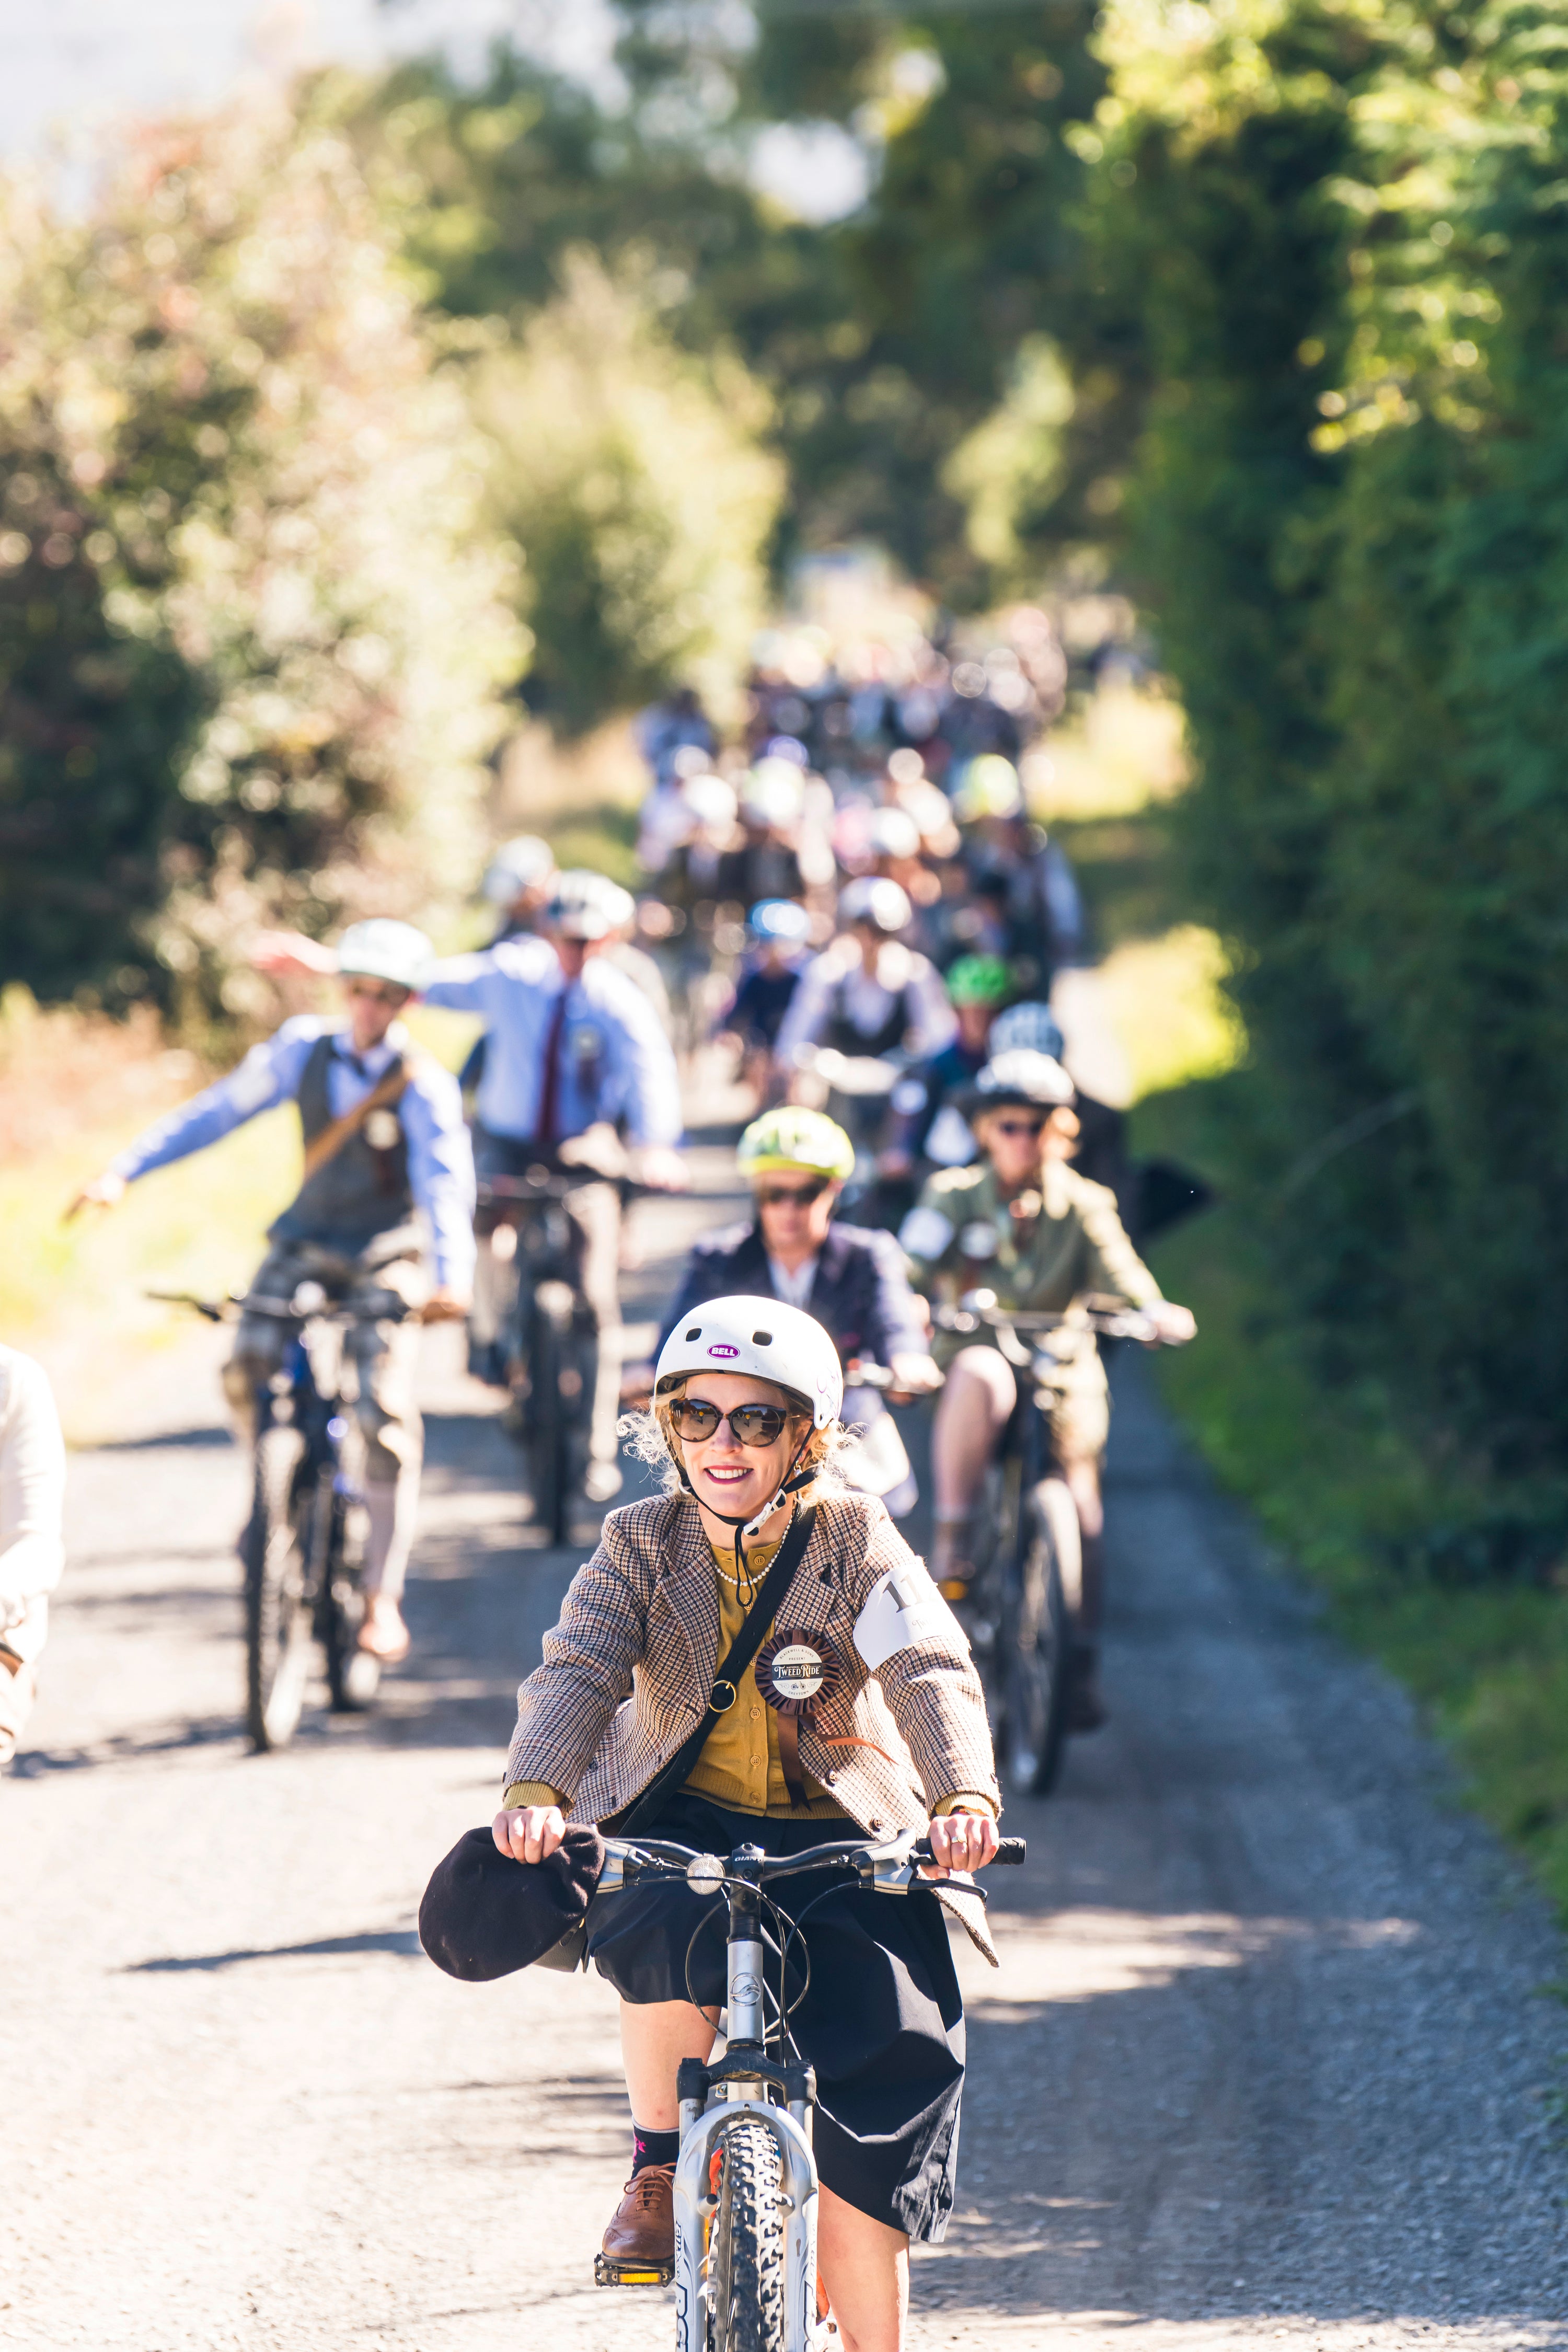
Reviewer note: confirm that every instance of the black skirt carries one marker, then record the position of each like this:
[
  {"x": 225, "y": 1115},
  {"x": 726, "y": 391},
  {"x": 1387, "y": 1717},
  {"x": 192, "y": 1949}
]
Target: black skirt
[{"x": 881, "y": 2020}]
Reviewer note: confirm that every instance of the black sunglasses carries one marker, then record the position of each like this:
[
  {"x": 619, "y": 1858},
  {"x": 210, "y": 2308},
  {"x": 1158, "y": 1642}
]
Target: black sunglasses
[
  {"x": 753, "y": 1424},
  {"x": 1022, "y": 1126},
  {"x": 801, "y": 1195}
]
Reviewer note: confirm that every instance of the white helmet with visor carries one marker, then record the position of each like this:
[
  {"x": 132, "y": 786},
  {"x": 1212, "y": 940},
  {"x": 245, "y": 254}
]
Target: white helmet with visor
[{"x": 386, "y": 950}]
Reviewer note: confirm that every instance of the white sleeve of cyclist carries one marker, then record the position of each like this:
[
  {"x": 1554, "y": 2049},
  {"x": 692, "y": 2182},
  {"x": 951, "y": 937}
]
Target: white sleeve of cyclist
[
  {"x": 925, "y": 1233},
  {"x": 904, "y": 1608}
]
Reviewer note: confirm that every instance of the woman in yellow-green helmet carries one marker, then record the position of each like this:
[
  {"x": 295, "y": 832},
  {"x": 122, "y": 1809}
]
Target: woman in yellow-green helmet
[{"x": 794, "y": 1248}]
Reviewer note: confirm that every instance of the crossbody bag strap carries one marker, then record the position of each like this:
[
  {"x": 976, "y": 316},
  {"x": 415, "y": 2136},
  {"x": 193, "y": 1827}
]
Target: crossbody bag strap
[
  {"x": 330, "y": 1140},
  {"x": 645, "y": 1806}
]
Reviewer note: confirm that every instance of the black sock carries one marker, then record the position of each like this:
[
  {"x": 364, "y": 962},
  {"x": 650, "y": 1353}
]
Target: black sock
[{"x": 653, "y": 2148}]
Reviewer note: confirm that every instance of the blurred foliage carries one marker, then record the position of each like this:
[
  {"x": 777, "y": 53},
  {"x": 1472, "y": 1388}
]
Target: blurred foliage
[
  {"x": 633, "y": 476},
  {"x": 885, "y": 341},
  {"x": 1346, "y": 233},
  {"x": 252, "y": 638}
]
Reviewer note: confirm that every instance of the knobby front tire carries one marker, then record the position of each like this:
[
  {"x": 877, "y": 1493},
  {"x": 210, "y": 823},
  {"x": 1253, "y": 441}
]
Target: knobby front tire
[
  {"x": 276, "y": 1610},
  {"x": 746, "y": 2260},
  {"x": 548, "y": 1466}
]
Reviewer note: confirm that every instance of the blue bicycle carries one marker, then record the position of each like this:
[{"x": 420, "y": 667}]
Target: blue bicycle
[{"x": 303, "y": 1547}]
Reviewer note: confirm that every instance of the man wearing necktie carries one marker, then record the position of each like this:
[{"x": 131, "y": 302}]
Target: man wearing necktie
[
  {"x": 575, "y": 1059},
  {"x": 388, "y": 1184}
]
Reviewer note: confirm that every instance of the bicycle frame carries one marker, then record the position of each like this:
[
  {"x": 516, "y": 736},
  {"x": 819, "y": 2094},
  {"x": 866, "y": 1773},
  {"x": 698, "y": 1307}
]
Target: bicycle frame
[{"x": 742, "y": 2076}]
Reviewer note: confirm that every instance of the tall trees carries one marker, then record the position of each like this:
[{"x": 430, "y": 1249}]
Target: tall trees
[{"x": 252, "y": 644}]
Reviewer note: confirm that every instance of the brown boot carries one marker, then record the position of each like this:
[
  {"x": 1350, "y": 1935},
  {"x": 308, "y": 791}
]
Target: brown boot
[{"x": 643, "y": 2232}]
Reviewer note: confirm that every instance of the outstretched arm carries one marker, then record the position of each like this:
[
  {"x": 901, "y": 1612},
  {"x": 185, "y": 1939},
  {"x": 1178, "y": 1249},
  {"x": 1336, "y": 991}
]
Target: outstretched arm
[{"x": 269, "y": 1074}]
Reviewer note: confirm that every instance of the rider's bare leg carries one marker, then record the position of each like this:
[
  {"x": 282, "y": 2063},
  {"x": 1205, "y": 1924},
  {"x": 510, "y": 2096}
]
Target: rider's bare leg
[
  {"x": 977, "y": 1404},
  {"x": 1085, "y": 1488},
  {"x": 655, "y": 2035},
  {"x": 392, "y": 1507},
  {"x": 866, "y": 2269},
  {"x": 384, "y": 1355}
]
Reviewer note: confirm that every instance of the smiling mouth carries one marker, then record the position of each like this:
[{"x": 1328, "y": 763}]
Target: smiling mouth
[{"x": 728, "y": 1477}]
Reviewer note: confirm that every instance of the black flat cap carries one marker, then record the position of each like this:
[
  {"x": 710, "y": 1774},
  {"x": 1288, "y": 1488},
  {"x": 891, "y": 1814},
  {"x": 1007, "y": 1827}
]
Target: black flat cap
[{"x": 484, "y": 1916}]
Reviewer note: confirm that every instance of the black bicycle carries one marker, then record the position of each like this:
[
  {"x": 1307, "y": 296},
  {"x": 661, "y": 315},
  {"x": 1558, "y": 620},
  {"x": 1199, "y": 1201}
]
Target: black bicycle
[
  {"x": 302, "y": 1551},
  {"x": 554, "y": 1347},
  {"x": 1020, "y": 1604},
  {"x": 746, "y": 2180}
]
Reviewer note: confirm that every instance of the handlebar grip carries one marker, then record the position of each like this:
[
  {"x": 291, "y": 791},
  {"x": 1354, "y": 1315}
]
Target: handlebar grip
[{"x": 1011, "y": 1850}]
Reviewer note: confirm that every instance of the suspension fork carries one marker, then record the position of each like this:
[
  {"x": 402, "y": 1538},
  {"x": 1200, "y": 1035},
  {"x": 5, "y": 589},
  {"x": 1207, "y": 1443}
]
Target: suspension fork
[{"x": 745, "y": 2080}]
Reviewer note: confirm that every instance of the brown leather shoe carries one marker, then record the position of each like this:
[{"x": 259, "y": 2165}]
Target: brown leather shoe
[{"x": 644, "y": 2228}]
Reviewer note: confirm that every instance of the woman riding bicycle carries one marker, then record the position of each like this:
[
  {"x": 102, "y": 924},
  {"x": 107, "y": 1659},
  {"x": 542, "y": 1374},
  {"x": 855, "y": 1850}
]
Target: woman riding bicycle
[
  {"x": 1028, "y": 1228},
  {"x": 851, "y": 1280},
  {"x": 745, "y": 1417}
]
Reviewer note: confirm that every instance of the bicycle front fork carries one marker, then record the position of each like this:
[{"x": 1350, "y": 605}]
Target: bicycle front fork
[
  {"x": 736, "y": 2085},
  {"x": 704, "y": 2116}
]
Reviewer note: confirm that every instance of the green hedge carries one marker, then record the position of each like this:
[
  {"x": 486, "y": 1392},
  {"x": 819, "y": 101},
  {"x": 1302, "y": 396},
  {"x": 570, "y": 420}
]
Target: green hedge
[{"x": 1347, "y": 232}]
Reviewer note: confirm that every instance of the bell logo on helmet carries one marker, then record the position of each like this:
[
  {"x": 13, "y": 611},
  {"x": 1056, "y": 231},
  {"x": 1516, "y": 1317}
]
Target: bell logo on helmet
[{"x": 723, "y": 1347}]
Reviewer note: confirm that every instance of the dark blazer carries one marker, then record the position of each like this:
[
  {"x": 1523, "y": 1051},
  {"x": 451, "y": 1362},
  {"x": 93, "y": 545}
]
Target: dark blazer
[{"x": 860, "y": 1292}]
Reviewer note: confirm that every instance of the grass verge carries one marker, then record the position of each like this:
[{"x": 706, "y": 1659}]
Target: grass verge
[{"x": 1348, "y": 1495}]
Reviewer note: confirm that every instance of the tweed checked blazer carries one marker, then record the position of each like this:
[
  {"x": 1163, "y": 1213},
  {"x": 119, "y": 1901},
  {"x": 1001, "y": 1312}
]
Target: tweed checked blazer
[{"x": 627, "y": 1670}]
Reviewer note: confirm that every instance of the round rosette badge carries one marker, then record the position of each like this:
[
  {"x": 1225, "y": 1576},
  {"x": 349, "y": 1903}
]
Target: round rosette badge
[{"x": 795, "y": 1671}]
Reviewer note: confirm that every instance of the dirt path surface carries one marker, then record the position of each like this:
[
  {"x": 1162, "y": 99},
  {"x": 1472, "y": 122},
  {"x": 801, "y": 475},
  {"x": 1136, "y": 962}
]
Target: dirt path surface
[{"x": 1271, "y": 2057}]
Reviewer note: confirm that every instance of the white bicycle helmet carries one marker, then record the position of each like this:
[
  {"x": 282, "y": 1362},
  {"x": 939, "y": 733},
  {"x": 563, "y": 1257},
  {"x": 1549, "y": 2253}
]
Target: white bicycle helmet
[
  {"x": 710, "y": 799},
  {"x": 585, "y": 906},
  {"x": 383, "y": 949},
  {"x": 767, "y": 1341},
  {"x": 519, "y": 865},
  {"x": 1018, "y": 1077},
  {"x": 894, "y": 834},
  {"x": 764, "y": 1339},
  {"x": 876, "y": 901},
  {"x": 1032, "y": 1028},
  {"x": 774, "y": 793}
]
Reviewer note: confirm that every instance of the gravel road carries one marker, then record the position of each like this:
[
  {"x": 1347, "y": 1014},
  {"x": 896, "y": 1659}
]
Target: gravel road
[{"x": 1274, "y": 2053}]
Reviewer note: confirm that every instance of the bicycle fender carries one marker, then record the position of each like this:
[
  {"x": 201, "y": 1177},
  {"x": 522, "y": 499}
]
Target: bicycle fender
[{"x": 901, "y": 1609}]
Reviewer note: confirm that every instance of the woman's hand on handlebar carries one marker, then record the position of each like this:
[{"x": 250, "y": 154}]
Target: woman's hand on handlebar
[
  {"x": 962, "y": 1842},
  {"x": 528, "y": 1832},
  {"x": 913, "y": 1375},
  {"x": 1173, "y": 1324}
]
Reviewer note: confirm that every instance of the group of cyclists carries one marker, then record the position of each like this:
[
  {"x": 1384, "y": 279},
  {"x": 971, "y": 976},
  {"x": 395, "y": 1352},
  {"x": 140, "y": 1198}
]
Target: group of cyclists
[{"x": 855, "y": 901}]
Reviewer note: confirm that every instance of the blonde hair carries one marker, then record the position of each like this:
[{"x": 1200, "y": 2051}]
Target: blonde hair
[{"x": 648, "y": 1433}]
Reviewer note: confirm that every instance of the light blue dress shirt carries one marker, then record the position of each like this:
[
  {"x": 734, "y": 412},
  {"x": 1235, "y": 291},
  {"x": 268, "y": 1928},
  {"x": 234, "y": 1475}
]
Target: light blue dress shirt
[
  {"x": 615, "y": 1060},
  {"x": 440, "y": 1158}
]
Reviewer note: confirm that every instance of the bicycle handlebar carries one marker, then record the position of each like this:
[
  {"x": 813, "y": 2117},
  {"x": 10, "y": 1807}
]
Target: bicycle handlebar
[
  {"x": 848, "y": 1852},
  {"x": 879, "y": 1377},
  {"x": 390, "y": 1309},
  {"x": 1108, "y": 1321}
]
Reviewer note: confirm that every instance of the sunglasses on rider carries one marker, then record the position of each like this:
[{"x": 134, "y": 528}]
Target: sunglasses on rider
[
  {"x": 1034, "y": 1126},
  {"x": 378, "y": 990},
  {"x": 798, "y": 1196},
  {"x": 753, "y": 1424}
]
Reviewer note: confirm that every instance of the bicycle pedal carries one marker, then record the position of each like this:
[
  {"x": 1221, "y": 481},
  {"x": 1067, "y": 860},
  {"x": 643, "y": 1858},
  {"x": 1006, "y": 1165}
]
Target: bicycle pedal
[{"x": 610, "y": 2271}]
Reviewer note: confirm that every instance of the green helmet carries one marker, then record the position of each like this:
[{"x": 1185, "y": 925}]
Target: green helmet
[
  {"x": 978, "y": 979},
  {"x": 792, "y": 1138}
]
